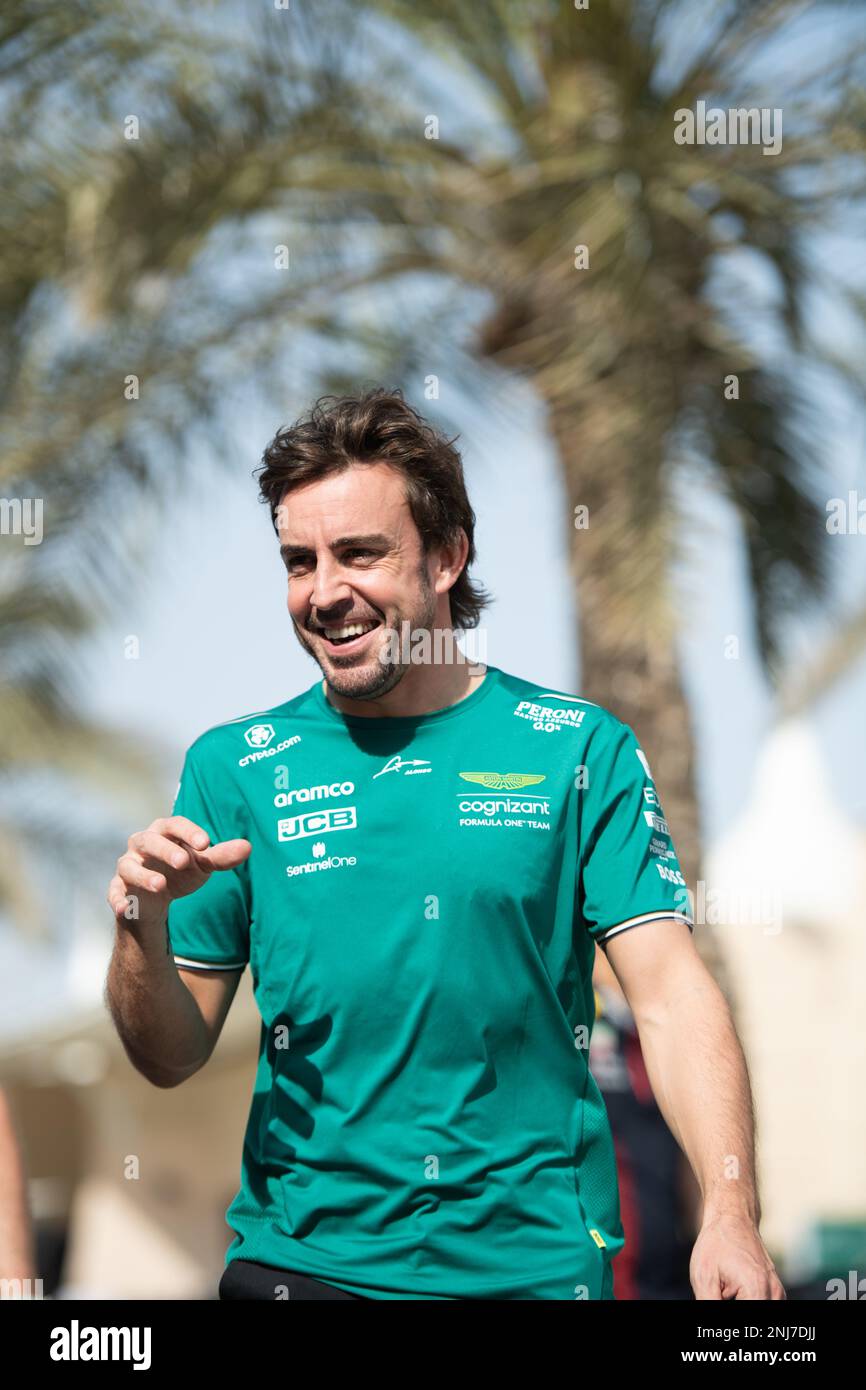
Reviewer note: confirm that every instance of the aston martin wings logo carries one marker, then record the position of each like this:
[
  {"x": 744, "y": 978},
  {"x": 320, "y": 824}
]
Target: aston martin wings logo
[{"x": 504, "y": 781}]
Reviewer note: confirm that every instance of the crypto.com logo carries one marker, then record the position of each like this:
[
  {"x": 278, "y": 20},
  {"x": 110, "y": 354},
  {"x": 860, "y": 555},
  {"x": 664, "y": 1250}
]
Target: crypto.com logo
[{"x": 259, "y": 735}]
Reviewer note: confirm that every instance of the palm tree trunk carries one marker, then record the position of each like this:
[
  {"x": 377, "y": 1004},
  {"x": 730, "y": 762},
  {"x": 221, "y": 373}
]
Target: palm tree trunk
[{"x": 632, "y": 670}]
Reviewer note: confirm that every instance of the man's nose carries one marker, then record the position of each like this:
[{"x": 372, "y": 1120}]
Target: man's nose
[{"x": 329, "y": 585}]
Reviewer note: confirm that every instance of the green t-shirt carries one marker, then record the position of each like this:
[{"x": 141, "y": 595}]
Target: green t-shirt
[{"x": 419, "y": 913}]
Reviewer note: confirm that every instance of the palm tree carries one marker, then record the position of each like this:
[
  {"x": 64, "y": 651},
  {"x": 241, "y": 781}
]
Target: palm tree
[
  {"x": 431, "y": 170},
  {"x": 845, "y": 645},
  {"x": 58, "y": 769}
]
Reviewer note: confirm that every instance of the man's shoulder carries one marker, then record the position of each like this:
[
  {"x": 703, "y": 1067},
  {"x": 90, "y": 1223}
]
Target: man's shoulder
[
  {"x": 543, "y": 704},
  {"x": 254, "y": 736}
]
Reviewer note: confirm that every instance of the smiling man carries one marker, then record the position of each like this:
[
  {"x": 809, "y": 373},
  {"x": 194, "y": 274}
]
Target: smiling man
[{"x": 416, "y": 860}]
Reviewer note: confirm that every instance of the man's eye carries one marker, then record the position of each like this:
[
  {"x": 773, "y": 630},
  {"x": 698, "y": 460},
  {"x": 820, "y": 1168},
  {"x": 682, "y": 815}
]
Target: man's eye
[{"x": 302, "y": 562}]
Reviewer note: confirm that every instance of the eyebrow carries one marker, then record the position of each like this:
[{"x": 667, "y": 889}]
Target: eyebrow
[{"x": 376, "y": 540}]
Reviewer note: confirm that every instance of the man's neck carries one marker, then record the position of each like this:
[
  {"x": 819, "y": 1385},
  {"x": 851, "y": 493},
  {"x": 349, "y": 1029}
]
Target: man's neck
[{"x": 422, "y": 690}]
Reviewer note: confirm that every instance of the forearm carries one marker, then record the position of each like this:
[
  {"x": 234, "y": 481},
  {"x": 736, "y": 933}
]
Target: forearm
[
  {"x": 157, "y": 1019},
  {"x": 699, "y": 1078},
  {"x": 16, "y": 1238}
]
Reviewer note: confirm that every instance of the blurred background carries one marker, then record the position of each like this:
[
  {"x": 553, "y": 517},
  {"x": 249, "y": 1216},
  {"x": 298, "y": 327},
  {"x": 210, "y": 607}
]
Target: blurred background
[{"x": 216, "y": 213}]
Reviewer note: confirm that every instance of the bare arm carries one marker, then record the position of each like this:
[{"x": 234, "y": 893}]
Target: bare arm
[
  {"x": 699, "y": 1078},
  {"x": 168, "y": 1020},
  {"x": 16, "y": 1236},
  {"x": 693, "y": 1058}
]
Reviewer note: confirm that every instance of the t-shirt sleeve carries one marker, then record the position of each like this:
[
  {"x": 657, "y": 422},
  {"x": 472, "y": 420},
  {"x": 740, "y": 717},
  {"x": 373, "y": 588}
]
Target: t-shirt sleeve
[
  {"x": 209, "y": 929},
  {"x": 628, "y": 873}
]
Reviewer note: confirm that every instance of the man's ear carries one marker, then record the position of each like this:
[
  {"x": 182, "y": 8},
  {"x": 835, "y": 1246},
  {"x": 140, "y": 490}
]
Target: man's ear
[{"x": 454, "y": 554}]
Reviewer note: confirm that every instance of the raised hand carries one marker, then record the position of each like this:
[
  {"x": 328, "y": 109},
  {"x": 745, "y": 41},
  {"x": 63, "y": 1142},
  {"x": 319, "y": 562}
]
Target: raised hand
[{"x": 170, "y": 859}]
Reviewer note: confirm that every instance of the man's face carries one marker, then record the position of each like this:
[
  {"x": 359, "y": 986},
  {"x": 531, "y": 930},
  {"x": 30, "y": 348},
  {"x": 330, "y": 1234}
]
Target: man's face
[{"x": 354, "y": 556}]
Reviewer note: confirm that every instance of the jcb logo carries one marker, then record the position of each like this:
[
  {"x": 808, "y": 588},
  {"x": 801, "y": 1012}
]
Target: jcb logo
[{"x": 317, "y": 823}]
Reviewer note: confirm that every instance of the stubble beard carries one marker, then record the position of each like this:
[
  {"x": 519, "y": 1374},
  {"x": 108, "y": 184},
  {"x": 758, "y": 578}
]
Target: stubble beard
[{"x": 375, "y": 677}]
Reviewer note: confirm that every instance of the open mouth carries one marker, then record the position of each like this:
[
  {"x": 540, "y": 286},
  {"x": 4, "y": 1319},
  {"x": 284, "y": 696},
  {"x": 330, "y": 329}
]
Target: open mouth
[{"x": 347, "y": 638}]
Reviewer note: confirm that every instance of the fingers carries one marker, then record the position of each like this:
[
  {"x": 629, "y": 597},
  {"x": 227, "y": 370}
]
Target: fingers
[
  {"x": 172, "y": 857},
  {"x": 706, "y": 1281},
  {"x": 137, "y": 875},
  {"x": 117, "y": 897},
  {"x": 150, "y": 845},
  {"x": 228, "y": 854},
  {"x": 183, "y": 829}
]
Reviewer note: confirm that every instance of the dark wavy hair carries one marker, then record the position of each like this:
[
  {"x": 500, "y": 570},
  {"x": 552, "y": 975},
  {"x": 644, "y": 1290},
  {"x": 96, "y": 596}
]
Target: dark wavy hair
[{"x": 380, "y": 427}]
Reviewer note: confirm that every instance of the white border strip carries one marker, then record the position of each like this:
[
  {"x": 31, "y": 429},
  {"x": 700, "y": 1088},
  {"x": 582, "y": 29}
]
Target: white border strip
[
  {"x": 647, "y": 917},
  {"x": 208, "y": 965}
]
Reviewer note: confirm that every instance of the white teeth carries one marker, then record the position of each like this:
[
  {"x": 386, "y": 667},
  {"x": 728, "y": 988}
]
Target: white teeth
[{"x": 353, "y": 630}]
